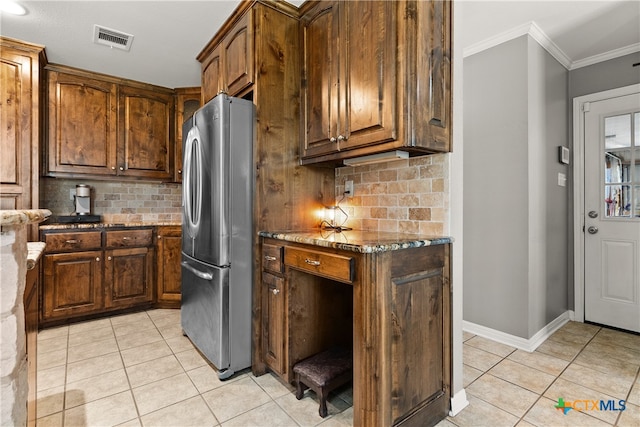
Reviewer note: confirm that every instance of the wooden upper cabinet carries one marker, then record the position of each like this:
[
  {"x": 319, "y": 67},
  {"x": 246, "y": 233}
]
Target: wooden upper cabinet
[
  {"x": 20, "y": 126},
  {"x": 103, "y": 126},
  {"x": 238, "y": 55},
  {"x": 212, "y": 74},
  {"x": 320, "y": 81},
  {"x": 228, "y": 66},
  {"x": 349, "y": 71},
  {"x": 376, "y": 77},
  {"x": 82, "y": 125},
  {"x": 187, "y": 103},
  {"x": 146, "y": 141}
]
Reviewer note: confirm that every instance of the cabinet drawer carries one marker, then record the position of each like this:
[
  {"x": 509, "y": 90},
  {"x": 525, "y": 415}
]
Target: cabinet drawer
[
  {"x": 74, "y": 241},
  {"x": 332, "y": 266},
  {"x": 272, "y": 257},
  {"x": 129, "y": 238}
]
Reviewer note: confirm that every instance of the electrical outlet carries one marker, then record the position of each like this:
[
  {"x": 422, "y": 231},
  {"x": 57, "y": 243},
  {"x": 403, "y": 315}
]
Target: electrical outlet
[{"x": 348, "y": 188}]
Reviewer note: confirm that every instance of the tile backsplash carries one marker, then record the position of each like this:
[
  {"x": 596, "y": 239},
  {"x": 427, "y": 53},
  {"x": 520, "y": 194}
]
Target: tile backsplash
[
  {"x": 117, "y": 202},
  {"x": 409, "y": 195}
]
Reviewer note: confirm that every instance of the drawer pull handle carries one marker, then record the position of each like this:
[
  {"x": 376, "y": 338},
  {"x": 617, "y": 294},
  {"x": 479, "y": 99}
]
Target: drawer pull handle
[
  {"x": 126, "y": 238},
  {"x": 312, "y": 262},
  {"x": 275, "y": 291},
  {"x": 71, "y": 241},
  {"x": 269, "y": 258}
]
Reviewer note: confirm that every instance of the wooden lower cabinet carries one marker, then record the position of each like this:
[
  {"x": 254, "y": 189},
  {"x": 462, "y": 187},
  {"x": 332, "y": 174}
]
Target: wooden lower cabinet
[
  {"x": 169, "y": 270},
  {"x": 128, "y": 277},
  {"x": 31, "y": 330},
  {"x": 90, "y": 272},
  {"x": 72, "y": 285},
  {"x": 274, "y": 322},
  {"x": 392, "y": 308}
]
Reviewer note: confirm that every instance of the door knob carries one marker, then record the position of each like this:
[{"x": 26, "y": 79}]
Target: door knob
[
  {"x": 592, "y": 230},
  {"x": 593, "y": 214}
]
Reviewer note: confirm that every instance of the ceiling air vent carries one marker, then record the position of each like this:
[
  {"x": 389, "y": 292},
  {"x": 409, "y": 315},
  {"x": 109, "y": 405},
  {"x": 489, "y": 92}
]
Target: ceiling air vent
[{"x": 112, "y": 38}]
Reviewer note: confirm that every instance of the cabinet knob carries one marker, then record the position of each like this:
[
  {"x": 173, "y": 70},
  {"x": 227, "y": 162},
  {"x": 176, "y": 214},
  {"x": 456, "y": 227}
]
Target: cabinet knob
[
  {"x": 275, "y": 291},
  {"x": 98, "y": 258},
  {"x": 113, "y": 168},
  {"x": 269, "y": 258},
  {"x": 179, "y": 171},
  {"x": 121, "y": 168},
  {"x": 341, "y": 138},
  {"x": 109, "y": 258},
  {"x": 332, "y": 139}
]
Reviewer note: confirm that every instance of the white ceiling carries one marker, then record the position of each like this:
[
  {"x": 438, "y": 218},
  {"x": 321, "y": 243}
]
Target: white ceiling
[{"x": 168, "y": 35}]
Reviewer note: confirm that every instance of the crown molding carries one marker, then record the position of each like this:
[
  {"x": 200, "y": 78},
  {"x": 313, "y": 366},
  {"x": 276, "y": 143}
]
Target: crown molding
[
  {"x": 529, "y": 28},
  {"x": 536, "y": 33},
  {"x": 612, "y": 54}
]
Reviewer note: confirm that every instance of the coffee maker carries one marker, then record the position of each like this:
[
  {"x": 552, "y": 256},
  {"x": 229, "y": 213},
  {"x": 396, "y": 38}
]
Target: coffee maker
[{"x": 82, "y": 200}]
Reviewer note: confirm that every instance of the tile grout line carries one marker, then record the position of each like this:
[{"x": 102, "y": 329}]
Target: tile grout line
[{"x": 126, "y": 373}]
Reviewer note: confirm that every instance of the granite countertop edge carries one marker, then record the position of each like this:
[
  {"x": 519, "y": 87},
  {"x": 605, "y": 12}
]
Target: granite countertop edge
[
  {"x": 371, "y": 243},
  {"x": 23, "y": 216},
  {"x": 92, "y": 225}
]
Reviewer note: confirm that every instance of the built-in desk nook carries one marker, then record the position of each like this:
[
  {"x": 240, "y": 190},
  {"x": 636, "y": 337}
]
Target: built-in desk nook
[{"x": 386, "y": 296}]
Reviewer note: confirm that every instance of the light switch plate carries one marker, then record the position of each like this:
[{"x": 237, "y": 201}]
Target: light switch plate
[{"x": 562, "y": 179}]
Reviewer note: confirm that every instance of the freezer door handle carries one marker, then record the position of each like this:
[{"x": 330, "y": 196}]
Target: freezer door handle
[{"x": 200, "y": 274}]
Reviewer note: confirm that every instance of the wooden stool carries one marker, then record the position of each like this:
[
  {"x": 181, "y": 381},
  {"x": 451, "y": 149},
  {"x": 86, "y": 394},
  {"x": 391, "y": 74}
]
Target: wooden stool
[{"x": 323, "y": 373}]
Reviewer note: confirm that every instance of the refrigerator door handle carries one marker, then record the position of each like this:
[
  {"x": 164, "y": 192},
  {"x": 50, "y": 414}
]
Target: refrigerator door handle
[
  {"x": 191, "y": 190},
  {"x": 200, "y": 274}
]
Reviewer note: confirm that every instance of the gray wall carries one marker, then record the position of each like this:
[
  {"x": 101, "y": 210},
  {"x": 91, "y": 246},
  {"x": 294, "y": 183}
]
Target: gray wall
[
  {"x": 495, "y": 182},
  {"x": 611, "y": 74},
  {"x": 515, "y": 214}
]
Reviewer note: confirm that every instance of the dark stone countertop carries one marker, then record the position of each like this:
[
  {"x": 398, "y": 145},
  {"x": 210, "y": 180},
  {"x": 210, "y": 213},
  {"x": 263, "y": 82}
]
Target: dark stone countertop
[{"x": 358, "y": 240}]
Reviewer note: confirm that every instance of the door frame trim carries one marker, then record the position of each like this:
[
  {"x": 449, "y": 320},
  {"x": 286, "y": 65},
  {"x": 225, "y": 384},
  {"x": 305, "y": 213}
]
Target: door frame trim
[{"x": 578, "y": 188}]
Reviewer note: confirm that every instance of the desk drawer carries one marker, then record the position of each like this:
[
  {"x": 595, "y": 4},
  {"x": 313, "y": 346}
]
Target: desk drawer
[
  {"x": 272, "y": 258},
  {"x": 332, "y": 266},
  {"x": 73, "y": 241},
  {"x": 129, "y": 238}
]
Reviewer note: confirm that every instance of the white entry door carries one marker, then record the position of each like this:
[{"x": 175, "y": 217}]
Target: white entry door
[{"x": 612, "y": 212}]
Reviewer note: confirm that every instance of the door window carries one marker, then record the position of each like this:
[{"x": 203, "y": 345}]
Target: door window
[{"x": 622, "y": 166}]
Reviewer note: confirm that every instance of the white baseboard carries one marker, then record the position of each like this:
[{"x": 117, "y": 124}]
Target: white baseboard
[
  {"x": 458, "y": 403},
  {"x": 524, "y": 344}
]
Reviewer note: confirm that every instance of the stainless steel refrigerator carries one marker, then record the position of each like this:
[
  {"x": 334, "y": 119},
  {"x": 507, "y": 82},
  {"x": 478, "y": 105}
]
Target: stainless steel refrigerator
[{"x": 217, "y": 232}]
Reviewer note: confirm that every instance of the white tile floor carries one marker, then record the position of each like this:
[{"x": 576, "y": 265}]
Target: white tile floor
[
  {"x": 510, "y": 387},
  {"x": 138, "y": 369}
]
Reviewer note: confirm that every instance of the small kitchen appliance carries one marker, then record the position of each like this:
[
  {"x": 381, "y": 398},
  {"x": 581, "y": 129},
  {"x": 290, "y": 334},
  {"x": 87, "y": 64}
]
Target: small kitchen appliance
[{"x": 82, "y": 200}]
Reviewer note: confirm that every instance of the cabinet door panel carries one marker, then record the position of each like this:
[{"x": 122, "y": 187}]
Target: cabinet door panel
[
  {"x": 146, "y": 138},
  {"x": 370, "y": 73},
  {"x": 320, "y": 82},
  {"x": 433, "y": 65},
  {"x": 417, "y": 340},
  {"x": 169, "y": 268},
  {"x": 72, "y": 284},
  {"x": 12, "y": 69},
  {"x": 82, "y": 125},
  {"x": 128, "y": 276},
  {"x": 274, "y": 322},
  {"x": 212, "y": 75},
  {"x": 238, "y": 55}
]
